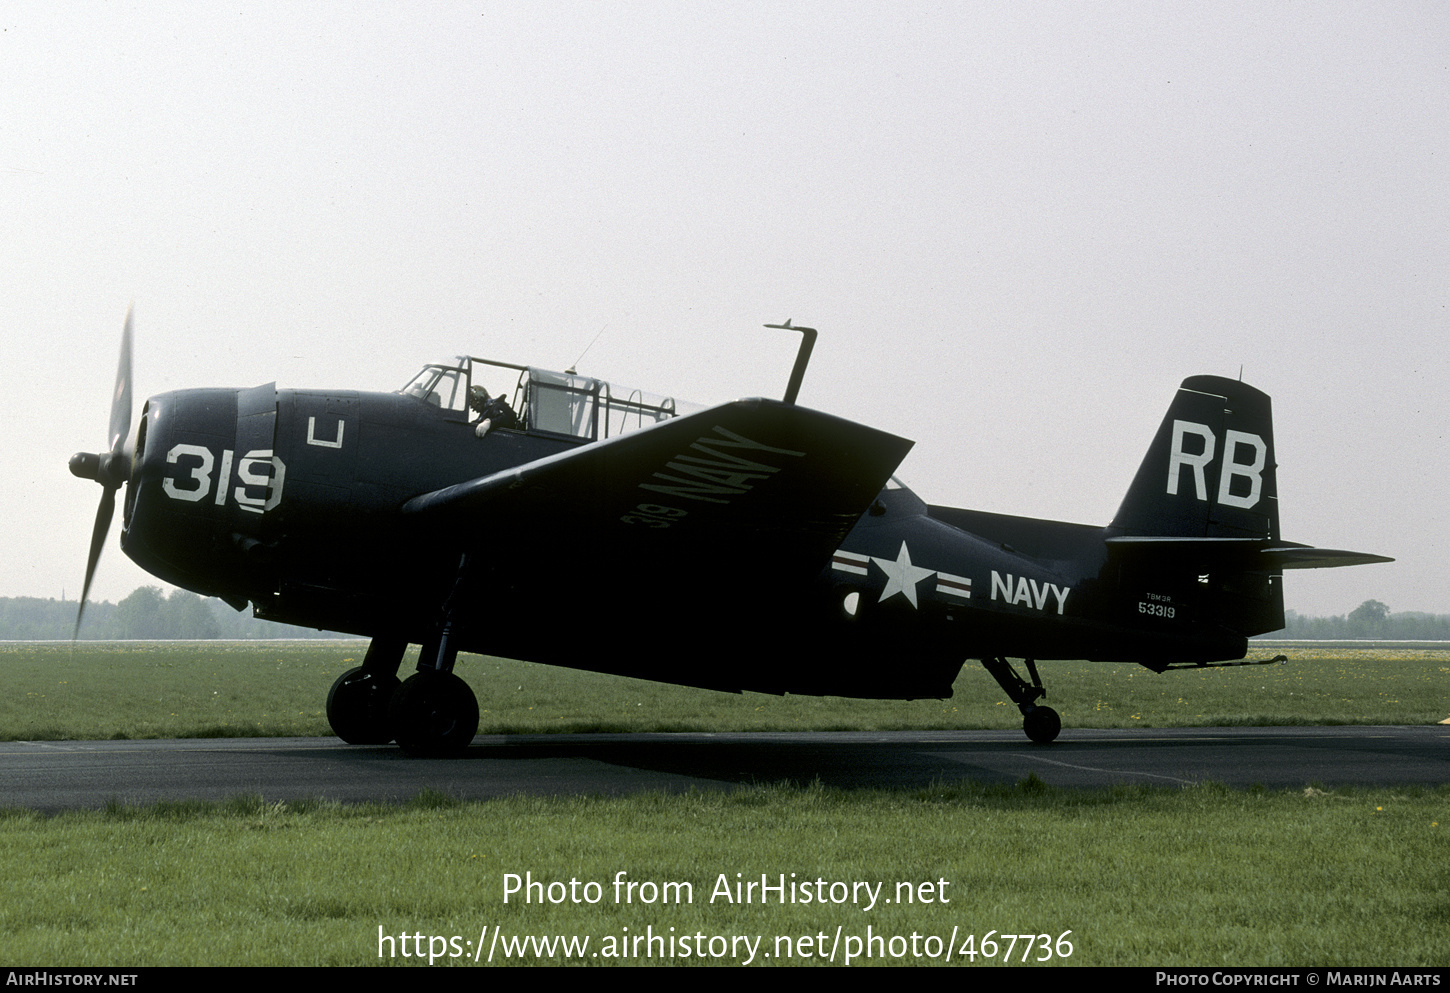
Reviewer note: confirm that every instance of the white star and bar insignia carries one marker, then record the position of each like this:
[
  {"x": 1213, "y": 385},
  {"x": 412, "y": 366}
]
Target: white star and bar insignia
[{"x": 902, "y": 576}]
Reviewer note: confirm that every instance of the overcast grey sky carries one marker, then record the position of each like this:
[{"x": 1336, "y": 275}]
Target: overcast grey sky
[{"x": 1018, "y": 227}]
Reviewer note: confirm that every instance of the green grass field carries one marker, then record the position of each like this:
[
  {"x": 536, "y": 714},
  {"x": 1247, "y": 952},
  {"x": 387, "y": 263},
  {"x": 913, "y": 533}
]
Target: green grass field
[
  {"x": 1139, "y": 876},
  {"x": 227, "y": 689}
]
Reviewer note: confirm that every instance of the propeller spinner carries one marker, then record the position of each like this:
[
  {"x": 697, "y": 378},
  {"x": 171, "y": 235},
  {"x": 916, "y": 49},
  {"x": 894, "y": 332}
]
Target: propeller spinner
[{"x": 110, "y": 468}]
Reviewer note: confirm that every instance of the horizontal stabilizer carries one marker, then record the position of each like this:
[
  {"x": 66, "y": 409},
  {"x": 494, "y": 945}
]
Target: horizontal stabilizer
[
  {"x": 1318, "y": 558},
  {"x": 1252, "y": 554}
]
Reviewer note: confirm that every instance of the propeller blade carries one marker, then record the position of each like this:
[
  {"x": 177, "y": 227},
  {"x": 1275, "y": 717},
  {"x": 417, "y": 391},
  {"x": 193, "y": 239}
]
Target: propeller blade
[
  {"x": 121, "y": 398},
  {"x": 104, "y": 513},
  {"x": 110, "y": 469}
]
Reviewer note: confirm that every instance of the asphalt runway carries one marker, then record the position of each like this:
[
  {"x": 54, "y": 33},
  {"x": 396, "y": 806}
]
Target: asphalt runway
[{"x": 55, "y": 775}]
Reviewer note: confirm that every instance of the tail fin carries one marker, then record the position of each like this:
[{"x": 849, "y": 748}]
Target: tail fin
[
  {"x": 1199, "y": 528},
  {"x": 1210, "y": 470},
  {"x": 1203, "y": 504}
]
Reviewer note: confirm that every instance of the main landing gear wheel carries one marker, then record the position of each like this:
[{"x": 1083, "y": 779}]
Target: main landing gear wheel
[
  {"x": 434, "y": 713},
  {"x": 1041, "y": 724},
  {"x": 357, "y": 707}
]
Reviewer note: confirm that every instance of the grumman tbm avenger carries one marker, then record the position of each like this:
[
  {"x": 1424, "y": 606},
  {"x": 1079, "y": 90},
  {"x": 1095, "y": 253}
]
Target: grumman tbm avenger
[{"x": 755, "y": 545}]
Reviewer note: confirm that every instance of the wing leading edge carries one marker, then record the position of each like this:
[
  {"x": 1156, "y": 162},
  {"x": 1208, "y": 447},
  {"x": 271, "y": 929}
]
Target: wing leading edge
[{"x": 755, "y": 488}]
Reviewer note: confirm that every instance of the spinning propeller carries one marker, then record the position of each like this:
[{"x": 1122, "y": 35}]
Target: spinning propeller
[{"x": 110, "y": 468}]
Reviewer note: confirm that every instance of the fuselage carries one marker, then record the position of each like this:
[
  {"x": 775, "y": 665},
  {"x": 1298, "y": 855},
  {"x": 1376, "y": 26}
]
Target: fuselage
[{"x": 291, "y": 500}]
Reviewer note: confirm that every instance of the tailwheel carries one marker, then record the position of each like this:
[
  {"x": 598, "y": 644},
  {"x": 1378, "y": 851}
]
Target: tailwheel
[
  {"x": 434, "y": 713},
  {"x": 1041, "y": 724},
  {"x": 357, "y": 707}
]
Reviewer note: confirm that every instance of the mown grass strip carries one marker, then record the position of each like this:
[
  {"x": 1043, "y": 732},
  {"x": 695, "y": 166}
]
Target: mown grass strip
[
  {"x": 1140, "y": 876},
  {"x": 211, "y": 689}
]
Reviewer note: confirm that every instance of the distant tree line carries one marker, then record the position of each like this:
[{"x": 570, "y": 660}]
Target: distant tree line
[
  {"x": 1370, "y": 619},
  {"x": 146, "y": 615}
]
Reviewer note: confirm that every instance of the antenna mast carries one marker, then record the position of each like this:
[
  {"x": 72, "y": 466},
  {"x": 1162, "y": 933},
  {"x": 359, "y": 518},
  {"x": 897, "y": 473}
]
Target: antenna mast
[{"x": 802, "y": 357}]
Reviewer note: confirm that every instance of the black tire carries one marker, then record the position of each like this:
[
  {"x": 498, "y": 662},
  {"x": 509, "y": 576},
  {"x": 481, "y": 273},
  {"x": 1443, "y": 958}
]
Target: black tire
[
  {"x": 1042, "y": 724},
  {"x": 357, "y": 707},
  {"x": 434, "y": 713}
]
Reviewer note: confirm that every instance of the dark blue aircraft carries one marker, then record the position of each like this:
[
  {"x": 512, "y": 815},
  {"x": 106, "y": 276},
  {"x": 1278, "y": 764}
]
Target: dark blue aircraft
[{"x": 755, "y": 545}]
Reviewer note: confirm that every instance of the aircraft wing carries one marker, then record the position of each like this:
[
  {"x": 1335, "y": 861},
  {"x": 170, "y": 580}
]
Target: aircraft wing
[
  {"x": 754, "y": 490},
  {"x": 1250, "y": 553}
]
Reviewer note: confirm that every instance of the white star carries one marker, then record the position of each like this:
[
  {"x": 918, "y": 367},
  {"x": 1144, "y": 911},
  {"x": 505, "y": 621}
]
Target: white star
[{"x": 901, "y": 575}]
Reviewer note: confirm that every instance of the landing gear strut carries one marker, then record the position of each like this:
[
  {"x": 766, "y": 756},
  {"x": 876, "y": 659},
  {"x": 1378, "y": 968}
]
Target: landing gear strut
[
  {"x": 1041, "y": 723},
  {"x": 357, "y": 704},
  {"x": 434, "y": 712}
]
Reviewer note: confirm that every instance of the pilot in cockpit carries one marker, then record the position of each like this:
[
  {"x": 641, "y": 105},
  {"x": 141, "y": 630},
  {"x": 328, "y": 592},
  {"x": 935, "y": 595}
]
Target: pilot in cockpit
[{"x": 494, "y": 412}]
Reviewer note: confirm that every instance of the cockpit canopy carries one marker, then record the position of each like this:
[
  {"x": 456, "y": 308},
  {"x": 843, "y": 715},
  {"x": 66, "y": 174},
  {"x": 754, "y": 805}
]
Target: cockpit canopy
[
  {"x": 557, "y": 403},
  {"x": 442, "y": 384}
]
